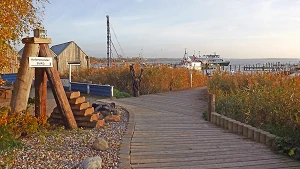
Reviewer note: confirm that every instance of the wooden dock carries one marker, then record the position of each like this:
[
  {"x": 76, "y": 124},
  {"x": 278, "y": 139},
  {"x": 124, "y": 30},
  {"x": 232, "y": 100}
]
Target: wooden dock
[{"x": 170, "y": 133}]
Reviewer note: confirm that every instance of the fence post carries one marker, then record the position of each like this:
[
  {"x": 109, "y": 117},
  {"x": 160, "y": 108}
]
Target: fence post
[{"x": 211, "y": 105}]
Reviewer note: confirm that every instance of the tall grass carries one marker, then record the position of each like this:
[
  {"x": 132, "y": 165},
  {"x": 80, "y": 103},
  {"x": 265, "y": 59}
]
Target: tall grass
[{"x": 268, "y": 101}]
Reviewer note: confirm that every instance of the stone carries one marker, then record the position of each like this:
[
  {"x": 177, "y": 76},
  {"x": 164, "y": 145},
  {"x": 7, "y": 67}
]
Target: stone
[
  {"x": 100, "y": 144},
  {"x": 92, "y": 162},
  {"x": 105, "y": 108},
  {"x": 105, "y": 112},
  {"x": 101, "y": 117}
]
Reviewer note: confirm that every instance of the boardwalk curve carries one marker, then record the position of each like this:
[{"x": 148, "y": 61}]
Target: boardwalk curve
[{"x": 170, "y": 133}]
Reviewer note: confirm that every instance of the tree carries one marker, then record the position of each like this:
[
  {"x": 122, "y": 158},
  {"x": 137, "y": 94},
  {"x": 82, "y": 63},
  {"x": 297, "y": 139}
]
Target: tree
[
  {"x": 136, "y": 81},
  {"x": 17, "y": 17}
]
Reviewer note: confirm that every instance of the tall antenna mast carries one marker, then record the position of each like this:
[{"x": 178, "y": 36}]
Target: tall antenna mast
[{"x": 108, "y": 43}]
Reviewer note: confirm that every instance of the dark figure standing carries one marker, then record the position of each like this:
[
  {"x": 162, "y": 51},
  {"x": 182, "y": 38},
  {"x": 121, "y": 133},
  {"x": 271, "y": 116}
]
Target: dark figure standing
[{"x": 136, "y": 81}]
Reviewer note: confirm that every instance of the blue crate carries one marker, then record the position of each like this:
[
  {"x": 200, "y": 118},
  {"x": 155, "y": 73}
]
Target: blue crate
[
  {"x": 101, "y": 90},
  {"x": 11, "y": 78},
  {"x": 82, "y": 87}
]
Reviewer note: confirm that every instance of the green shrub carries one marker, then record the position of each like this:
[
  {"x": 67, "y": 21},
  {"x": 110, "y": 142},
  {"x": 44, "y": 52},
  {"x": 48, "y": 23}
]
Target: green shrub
[{"x": 119, "y": 94}]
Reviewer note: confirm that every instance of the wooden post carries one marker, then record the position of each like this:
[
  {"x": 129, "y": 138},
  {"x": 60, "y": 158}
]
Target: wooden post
[
  {"x": 58, "y": 91},
  {"x": 40, "y": 84},
  {"x": 211, "y": 106},
  {"x": 24, "y": 79}
]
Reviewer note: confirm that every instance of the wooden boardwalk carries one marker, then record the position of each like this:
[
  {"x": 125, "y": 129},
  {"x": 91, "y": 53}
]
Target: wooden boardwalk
[{"x": 170, "y": 133}]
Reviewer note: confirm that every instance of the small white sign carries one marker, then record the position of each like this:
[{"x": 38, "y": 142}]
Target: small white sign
[{"x": 40, "y": 62}]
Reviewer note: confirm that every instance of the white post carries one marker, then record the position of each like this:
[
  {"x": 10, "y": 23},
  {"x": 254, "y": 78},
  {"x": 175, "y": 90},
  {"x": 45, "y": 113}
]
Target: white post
[
  {"x": 191, "y": 78},
  {"x": 70, "y": 76}
]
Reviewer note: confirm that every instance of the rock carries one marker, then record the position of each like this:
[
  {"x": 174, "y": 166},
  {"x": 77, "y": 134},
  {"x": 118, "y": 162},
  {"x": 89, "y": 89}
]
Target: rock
[
  {"x": 117, "y": 112},
  {"x": 105, "y": 108},
  {"x": 92, "y": 163},
  {"x": 105, "y": 112},
  {"x": 113, "y": 118},
  {"x": 100, "y": 144},
  {"x": 101, "y": 117}
]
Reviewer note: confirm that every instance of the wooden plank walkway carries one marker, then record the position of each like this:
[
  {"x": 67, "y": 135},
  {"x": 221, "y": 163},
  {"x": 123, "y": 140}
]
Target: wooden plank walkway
[{"x": 170, "y": 133}]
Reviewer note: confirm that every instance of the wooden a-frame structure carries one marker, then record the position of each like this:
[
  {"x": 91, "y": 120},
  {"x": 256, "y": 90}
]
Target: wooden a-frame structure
[{"x": 39, "y": 47}]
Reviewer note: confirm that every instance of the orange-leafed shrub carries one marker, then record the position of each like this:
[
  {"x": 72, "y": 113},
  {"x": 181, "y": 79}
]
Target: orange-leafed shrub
[
  {"x": 13, "y": 125},
  {"x": 154, "y": 79}
]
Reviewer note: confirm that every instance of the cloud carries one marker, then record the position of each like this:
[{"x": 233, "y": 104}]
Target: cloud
[
  {"x": 139, "y": 1},
  {"x": 230, "y": 28}
]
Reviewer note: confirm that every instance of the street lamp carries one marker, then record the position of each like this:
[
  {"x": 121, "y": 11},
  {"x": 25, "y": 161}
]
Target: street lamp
[
  {"x": 70, "y": 71},
  {"x": 40, "y": 32}
]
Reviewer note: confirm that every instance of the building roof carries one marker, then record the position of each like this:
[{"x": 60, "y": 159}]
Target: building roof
[
  {"x": 21, "y": 52},
  {"x": 58, "y": 49}
]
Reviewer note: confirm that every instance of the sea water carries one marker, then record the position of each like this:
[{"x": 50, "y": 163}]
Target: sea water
[{"x": 247, "y": 62}]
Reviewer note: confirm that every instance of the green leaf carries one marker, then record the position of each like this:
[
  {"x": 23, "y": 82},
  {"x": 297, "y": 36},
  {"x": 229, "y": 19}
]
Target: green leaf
[{"x": 292, "y": 152}]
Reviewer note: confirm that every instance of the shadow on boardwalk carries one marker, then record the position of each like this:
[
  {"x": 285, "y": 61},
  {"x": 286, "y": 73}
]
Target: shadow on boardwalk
[{"x": 171, "y": 133}]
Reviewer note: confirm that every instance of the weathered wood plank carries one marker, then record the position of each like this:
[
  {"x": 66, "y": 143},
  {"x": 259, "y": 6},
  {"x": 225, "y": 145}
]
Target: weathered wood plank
[
  {"x": 40, "y": 84},
  {"x": 58, "y": 91},
  {"x": 24, "y": 79},
  {"x": 35, "y": 40}
]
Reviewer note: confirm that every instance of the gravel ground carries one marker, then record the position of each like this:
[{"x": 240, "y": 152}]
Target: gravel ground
[{"x": 67, "y": 149}]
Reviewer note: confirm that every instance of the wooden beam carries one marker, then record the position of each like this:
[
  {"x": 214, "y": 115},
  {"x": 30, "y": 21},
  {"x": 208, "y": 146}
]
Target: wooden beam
[
  {"x": 24, "y": 79},
  {"x": 58, "y": 91},
  {"x": 36, "y": 40},
  {"x": 40, "y": 84},
  {"x": 211, "y": 106}
]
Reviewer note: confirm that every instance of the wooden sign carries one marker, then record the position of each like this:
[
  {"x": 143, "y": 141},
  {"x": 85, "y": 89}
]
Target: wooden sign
[{"x": 40, "y": 62}]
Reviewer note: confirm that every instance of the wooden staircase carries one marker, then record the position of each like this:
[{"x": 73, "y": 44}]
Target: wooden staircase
[{"x": 84, "y": 115}]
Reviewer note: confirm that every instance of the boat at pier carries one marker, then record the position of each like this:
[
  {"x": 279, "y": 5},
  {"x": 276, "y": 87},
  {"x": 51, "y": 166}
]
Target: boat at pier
[
  {"x": 212, "y": 60},
  {"x": 204, "y": 61},
  {"x": 190, "y": 62}
]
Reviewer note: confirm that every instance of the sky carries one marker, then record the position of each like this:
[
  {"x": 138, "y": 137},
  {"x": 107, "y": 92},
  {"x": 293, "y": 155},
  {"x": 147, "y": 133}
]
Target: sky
[{"x": 164, "y": 28}]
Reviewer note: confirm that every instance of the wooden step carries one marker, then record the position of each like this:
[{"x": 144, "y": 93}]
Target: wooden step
[
  {"x": 84, "y": 112},
  {"x": 72, "y": 95},
  {"x": 88, "y": 118},
  {"x": 97, "y": 123},
  {"x": 81, "y": 106},
  {"x": 77, "y": 100}
]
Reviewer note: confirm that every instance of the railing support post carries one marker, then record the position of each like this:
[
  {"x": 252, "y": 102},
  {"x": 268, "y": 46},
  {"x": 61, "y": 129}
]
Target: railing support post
[{"x": 211, "y": 106}]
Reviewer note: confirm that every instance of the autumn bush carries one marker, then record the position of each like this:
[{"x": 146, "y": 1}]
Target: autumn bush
[
  {"x": 13, "y": 125},
  {"x": 154, "y": 79},
  {"x": 264, "y": 100}
]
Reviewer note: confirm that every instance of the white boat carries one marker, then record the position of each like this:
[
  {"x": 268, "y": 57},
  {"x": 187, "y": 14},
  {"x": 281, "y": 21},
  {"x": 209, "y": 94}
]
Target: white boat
[
  {"x": 212, "y": 60},
  {"x": 190, "y": 62}
]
